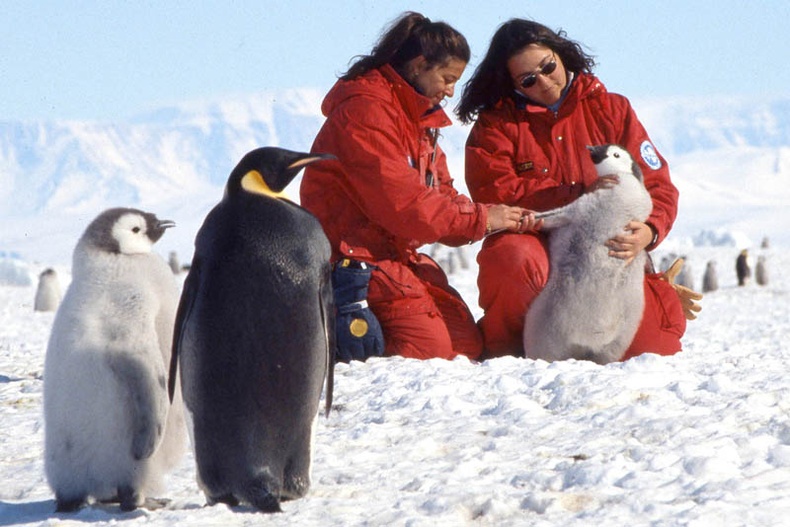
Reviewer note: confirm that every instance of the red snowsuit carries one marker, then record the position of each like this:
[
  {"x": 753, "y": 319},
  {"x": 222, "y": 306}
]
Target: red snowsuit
[
  {"x": 375, "y": 205},
  {"x": 523, "y": 154}
]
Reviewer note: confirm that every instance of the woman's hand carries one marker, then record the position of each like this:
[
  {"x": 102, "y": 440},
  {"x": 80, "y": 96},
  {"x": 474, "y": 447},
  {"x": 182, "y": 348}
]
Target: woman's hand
[
  {"x": 626, "y": 246},
  {"x": 514, "y": 219},
  {"x": 607, "y": 181}
]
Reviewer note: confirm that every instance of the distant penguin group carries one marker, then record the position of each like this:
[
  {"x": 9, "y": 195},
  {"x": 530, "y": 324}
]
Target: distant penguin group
[
  {"x": 110, "y": 432},
  {"x": 592, "y": 303},
  {"x": 254, "y": 336}
]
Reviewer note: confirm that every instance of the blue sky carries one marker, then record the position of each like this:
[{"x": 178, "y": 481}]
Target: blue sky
[{"x": 110, "y": 60}]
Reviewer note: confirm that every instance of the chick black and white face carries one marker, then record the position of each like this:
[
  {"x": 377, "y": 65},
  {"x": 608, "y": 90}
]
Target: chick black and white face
[
  {"x": 125, "y": 231},
  {"x": 131, "y": 233},
  {"x": 613, "y": 159}
]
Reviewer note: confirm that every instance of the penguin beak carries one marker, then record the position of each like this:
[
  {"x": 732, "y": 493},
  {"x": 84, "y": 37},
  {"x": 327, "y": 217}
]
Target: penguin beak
[
  {"x": 303, "y": 162},
  {"x": 279, "y": 181},
  {"x": 165, "y": 224},
  {"x": 597, "y": 153}
]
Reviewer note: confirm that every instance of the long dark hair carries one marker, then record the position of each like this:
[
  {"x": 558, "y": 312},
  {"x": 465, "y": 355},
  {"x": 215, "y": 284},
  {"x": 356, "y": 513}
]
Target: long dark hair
[
  {"x": 491, "y": 80},
  {"x": 408, "y": 37}
]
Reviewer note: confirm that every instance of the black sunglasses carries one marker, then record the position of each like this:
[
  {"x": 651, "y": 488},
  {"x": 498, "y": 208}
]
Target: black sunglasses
[{"x": 547, "y": 69}]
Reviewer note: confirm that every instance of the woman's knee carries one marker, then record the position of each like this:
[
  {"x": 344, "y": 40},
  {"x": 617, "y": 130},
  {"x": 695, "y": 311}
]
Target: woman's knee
[
  {"x": 518, "y": 262},
  {"x": 418, "y": 336}
]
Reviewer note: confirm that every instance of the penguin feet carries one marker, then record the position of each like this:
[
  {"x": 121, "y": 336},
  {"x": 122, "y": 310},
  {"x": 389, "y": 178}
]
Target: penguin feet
[
  {"x": 151, "y": 504},
  {"x": 154, "y": 504},
  {"x": 688, "y": 297},
  {"x": 266, "y": 503},
  {"x": 258, "y": 494},
  {"x": 129, "y": 497},
  {"x": 69, "y": 504},
  {"x": 228, "y": 499}
]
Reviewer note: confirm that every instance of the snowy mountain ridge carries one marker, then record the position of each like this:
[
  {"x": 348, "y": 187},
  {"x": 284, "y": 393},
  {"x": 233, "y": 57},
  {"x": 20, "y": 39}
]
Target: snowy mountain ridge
[
  {"x": 56, "y": 176},
  {"x": 72, "y": 166}
]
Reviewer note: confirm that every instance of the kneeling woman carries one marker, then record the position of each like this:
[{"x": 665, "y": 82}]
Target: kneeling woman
[
  {"x": 389, "y": 191},
  {"x": 536, "y": 107}
]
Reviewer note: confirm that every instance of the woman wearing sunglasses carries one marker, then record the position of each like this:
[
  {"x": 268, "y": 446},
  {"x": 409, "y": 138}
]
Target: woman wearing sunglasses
[
  {"x": 389, "y": 192},
  {"x": 536, "y": 106}
]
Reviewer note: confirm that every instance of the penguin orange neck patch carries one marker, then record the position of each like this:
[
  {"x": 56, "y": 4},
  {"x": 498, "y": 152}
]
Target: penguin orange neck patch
[{"x": 253, "y": 182}]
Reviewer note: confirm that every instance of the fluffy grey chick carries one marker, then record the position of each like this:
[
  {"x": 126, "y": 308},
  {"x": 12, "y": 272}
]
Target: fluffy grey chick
[
  {"x": 110, "y": 432},
  {"x": 592, "y": 303},
  {"x": 48, "y": 293}
]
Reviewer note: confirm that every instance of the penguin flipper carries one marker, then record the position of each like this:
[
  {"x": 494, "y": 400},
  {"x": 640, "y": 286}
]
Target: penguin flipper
[
  {"x": 555, "y": 218},
  {"x": 147, "y": 401},
  {"x": 328, "y": 317},
  {"x": 185, "y": 305}
]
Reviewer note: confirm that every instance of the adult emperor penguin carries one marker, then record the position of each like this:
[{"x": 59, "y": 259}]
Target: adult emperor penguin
[
  {"x": 742, "y": 267},
  {"x": 592, "y": 303},
  {"x": 110, "y": 432},
  {"x": 48, "y": 293},
  {"x": 254, "y": 336}
]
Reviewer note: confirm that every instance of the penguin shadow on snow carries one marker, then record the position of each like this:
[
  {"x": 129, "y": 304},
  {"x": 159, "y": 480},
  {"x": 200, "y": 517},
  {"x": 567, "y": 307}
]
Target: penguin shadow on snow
[
  {"x": 30, "y": 512},
  {"x": 35, "y": 512}
]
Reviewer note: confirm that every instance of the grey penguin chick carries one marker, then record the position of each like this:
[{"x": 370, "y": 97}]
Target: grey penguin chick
[
  {"x": 710, "y": 280},
  {"x": 254, "y": 336},
  {"x": 48, "y": 292},
  {"x": 110, "y": 432},
  {"x": 172, "y": 261},
  {"x": 592, "y": 303},
  {"x": 761, "y": 271}
]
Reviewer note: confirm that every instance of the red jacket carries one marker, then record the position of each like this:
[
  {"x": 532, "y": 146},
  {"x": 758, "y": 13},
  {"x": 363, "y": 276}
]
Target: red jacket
[
  {"x": 373, "y": 202},
  {"x": 527, "y": 155}
]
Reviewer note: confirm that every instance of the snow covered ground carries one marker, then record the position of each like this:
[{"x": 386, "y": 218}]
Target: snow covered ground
[{"x": 699, "y": 439}]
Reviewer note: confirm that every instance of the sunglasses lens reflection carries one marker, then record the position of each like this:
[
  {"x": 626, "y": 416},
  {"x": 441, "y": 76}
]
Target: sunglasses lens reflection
[{"x": 530, "y": 80}]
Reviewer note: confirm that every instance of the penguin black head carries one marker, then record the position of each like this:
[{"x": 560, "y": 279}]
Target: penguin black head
[
  {"x": 125, "y": 231},
  {"x": 614, "y": 159},
  {"x": 269, "y": 170}
]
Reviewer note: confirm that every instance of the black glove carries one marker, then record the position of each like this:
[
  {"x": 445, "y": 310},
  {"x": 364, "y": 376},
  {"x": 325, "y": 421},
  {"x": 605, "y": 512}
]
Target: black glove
[{"x": 358, "y": 331}]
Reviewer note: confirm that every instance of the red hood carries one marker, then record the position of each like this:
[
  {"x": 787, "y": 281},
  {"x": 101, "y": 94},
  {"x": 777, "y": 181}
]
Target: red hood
[{"x": 387, "y": 85}]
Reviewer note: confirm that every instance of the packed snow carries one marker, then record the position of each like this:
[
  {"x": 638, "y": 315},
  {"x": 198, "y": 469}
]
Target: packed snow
[{"x": 700, "y": 438}]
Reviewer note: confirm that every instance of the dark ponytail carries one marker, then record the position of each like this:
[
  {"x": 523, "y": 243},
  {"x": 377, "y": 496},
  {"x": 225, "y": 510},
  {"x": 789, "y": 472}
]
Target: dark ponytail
[{"x": 409, "y": 37}]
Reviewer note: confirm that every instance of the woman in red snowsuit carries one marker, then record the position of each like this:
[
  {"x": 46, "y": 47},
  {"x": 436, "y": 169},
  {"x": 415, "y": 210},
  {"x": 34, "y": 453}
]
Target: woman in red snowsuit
[
  {"x": 389, "y": 191},
  {"x": 537, "y": 106}
]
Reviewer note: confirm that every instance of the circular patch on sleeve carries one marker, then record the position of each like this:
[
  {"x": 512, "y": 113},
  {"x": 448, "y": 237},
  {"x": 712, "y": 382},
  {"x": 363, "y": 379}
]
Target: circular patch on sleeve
[
  {"x": 358, "y": 327},
  {"x": 649, "y": 155}
]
